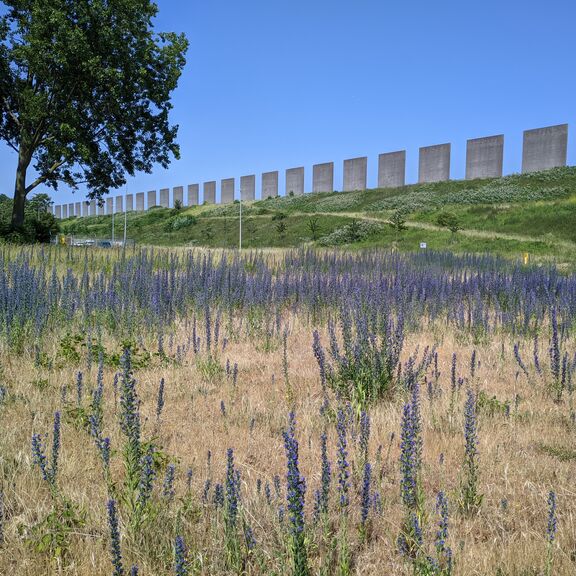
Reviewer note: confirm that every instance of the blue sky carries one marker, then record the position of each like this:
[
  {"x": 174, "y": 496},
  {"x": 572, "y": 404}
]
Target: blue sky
[{"x": 274, "y": 85}]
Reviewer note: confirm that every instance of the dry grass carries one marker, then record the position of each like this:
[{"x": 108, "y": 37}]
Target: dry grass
[{"x": 522, "y": 457}]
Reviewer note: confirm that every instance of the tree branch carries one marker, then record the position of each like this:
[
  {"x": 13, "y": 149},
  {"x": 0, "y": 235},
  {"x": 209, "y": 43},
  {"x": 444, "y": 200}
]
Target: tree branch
[
  {"x": 11, "y": 114},
  {"x": 45, "y": 176}
]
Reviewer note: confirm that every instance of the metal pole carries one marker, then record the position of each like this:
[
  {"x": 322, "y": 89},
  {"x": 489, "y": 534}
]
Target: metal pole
[
  {"x": 240, "y": 239},
  {"x": 112, "y": 226},
  {"x": 125, "y": 217}
]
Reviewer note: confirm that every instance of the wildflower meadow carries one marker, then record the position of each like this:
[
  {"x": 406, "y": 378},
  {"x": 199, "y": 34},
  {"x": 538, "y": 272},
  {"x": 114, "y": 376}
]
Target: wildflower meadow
[{"x": 182, "y": 411}]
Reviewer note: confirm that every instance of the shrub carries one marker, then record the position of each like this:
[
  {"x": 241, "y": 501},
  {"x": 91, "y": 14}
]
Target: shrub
[
  {"x": 449, "y": 220},
  {"x": 398, "y": 220},
  {"x": 179, "y": 222},
  {"x": 356, "y": 231}
]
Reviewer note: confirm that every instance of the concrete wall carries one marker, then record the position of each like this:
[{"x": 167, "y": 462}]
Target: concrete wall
[
  {"x": 434, "y": 163},
  {"x": 484, "y": 157},
  {"x": 64, "y": 210},
  {"x": 227, "y": 191},
  {"x": 109, "y": 206},
  {"x": 165, "y": 197},
  {"x": 355, "y": 171},
  {"x": 119, "y": 204},
  {"x": 101, "y": 209},
  {"x": 248, "y": 188},
  {"x": 151, "y": 199},
  {"x": 93, "y": 208},
  {"x": 392, "y": 169},
  {"x": 129, "y": 202},
  {"x": 85, "y": 208},
  {"x": 269, "y": 185},
  {"x": 210, "y": 192},
  {"x": 193, "y": 192},
  {"x": 545, "y": 148},
  {"x": 323, "y": 177},
  {"x": 140, "y": 201},
  {"x": 178, "y": 195},
  {"x": 70, "y": 210},
  {"x": 78, "y": 209},
  {"x": 295, "y": 181},
  {"x": 58, "y": 212}
]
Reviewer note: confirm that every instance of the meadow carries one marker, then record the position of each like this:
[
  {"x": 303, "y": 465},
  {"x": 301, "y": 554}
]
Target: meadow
[
  {"x": 531, "y": 213},
  {"x": 308, "y": 411}
]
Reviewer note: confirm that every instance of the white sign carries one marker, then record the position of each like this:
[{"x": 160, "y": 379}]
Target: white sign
[{"x": 423, "y": 245}]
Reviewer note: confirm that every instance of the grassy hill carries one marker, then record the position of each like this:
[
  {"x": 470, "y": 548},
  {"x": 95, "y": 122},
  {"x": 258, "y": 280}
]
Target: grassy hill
[{"x": 533, "y": 213}]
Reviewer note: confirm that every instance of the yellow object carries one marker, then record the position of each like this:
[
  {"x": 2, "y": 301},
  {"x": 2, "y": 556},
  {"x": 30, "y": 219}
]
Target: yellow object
[
  {"x": 526, "y": 257},
  {"x": 63, "y": 240}
]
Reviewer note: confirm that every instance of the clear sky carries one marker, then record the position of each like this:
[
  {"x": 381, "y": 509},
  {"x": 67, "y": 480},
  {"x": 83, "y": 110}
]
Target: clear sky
[{"x": 276, "y": 84}]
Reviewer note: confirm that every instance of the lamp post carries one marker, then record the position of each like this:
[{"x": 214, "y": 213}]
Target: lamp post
[{"x": 240, "y": 237}]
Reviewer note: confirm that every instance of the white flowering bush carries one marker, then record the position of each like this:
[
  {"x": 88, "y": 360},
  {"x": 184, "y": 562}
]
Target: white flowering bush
[{"x": 356, "y": 231}]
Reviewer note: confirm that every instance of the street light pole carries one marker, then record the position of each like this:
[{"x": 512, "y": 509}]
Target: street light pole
[{"x": 240, "y": 238}]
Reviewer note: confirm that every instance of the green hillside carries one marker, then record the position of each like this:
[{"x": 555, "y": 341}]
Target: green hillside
[{"x": 533, "y": 213}]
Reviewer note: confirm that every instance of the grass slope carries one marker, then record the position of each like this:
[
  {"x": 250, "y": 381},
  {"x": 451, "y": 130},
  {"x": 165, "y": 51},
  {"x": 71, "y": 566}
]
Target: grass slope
[{"x": 534, "y": 213}]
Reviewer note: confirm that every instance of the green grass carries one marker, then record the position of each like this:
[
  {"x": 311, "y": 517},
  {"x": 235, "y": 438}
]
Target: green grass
[
  {"x": 152, "y": 227},
  {"x": 552, "y": 219},
  {"x": 534, "y": 213}
]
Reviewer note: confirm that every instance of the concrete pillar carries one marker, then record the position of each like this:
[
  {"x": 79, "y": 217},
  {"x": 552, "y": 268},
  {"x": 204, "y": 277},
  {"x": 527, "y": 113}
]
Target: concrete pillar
[
  {"x": 248, "y": 188},
  {"x": 178, "y": 195},
  {"x": 355, "y": 173},
  {"x": 70, "y": 209},
  {"x": 85, "y": 206},
  {"x": 193, "y": 193},
  {"x": 129, "y": 202},
  {"x": 58, "y": 212},
  {"x": 101, "y": 208},
  {"x": 210, "y": 192},
  {"x": 392, "y": 169},
  {"x": 323, "y": 177},
  {"x": 119, "y": 204},
  {"x": 151, "y": 199},
  {"x": 484, "y": 157},
  {"x": 93, "y": 208},
  {"x": 139, "y": 201},
  {"x": 227, "y": 191},
  {"x": 545, "y": 148},
  {"x": 295, "y": 181},
  {"x": 78, "y": 209},
  {"x": 269, "y": 185},
  {"x": 434, "y": 163},
  {"x": 165, "y": 197},
  {"x": 64, "y": 210},
  {"x": 109, "y": 206}
]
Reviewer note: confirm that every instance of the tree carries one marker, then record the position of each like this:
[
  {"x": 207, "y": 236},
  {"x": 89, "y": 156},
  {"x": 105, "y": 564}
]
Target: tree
[
  {"x": 398, "y": 220},
  {"x": 313, "y": 225},
  {"x": 85, "y": 92},
  {"x": 449, "y": 220}
]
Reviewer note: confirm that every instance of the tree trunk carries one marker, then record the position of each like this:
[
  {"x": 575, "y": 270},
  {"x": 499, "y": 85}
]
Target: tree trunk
[{"x": 20, "y": 191}]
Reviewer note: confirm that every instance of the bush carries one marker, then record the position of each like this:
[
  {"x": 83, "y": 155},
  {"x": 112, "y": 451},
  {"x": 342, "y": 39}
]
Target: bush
[
  {"x": 398, "y": 220},
  {"x": 449, "y": 220},
  {"x": 356, "y": 231},
  {"x": 179, "y": 222},
  {"x": 279, "y": 216},
  {"x": 39, "y": 224}
]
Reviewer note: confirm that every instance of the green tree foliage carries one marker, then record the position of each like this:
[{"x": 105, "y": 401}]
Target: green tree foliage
[
  {"x": 85, "y": 92},
  {"x": 314, "y": 227},
  {"x": 398, "y": 220},
  {"x": 39, "y": 223},
  {"x": 449, "y": 220}
]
